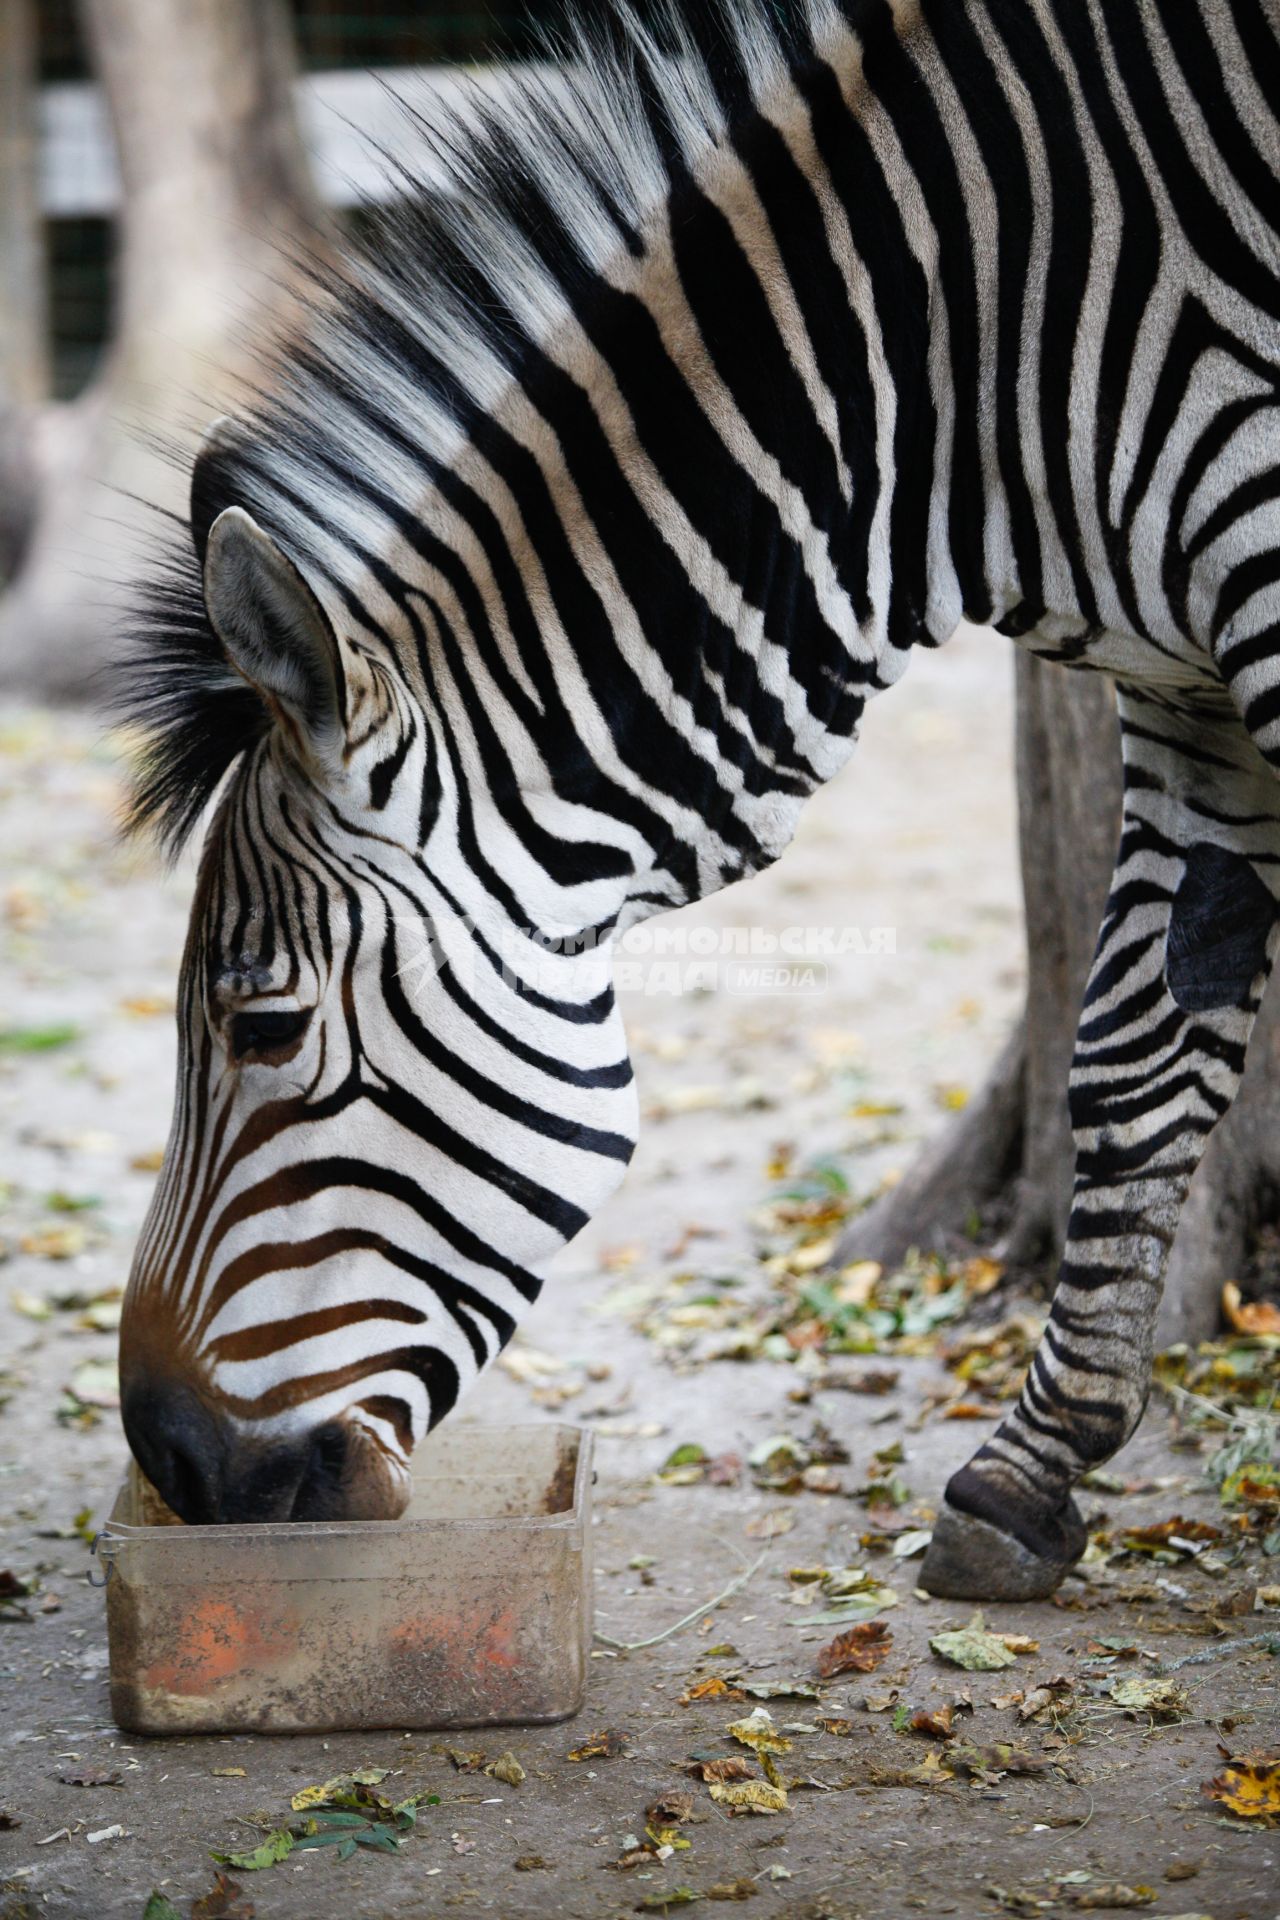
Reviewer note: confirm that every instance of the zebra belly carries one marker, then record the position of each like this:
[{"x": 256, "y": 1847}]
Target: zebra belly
[{"x": 1175, "y": 661}]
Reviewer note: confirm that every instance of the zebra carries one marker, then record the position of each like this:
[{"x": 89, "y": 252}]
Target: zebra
[{"x": 748, "y": 348}]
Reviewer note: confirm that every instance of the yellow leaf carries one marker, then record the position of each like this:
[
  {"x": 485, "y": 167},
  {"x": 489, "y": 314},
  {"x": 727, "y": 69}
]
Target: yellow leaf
[
  {"x": 1249, "y": 1785},
  {"x": 55, "y": 1243},
  {"x": 758, "y": 1732},
  {"x": 749, "y": 1796}
]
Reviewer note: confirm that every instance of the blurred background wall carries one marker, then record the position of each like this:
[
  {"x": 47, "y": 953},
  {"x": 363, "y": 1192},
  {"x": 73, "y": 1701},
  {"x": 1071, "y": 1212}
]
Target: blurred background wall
[{"x": 158, "y": 158}]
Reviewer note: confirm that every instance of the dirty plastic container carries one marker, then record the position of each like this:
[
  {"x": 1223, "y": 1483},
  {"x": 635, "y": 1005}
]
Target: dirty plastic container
[{"x": 473, "y": 1607}]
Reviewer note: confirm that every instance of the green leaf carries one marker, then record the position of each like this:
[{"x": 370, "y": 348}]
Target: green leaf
[
  {"x": 276, "y": 1847},
  {"x": 380, "y": 1839},
  {"x": 60, "y": 1202},
  {"x": 158, "y": 1908},
  {"x": 973, "y": 1648},
  {"x": 36, "y": 1039}
]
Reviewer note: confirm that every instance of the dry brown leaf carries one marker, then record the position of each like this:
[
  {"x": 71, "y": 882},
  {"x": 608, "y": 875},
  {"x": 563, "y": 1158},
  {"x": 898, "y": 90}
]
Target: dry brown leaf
[
  {"x": 767, "y": 1526},
  {"x": 858, "y": 1649},
  {"x": 606, "y": 1745},
  {"x": 1249, "y": 1316},
  {"x": 732, "y": 1767},
  {"x": 936, "y": 1724},
  {"x": 713, "y": 1688},
  {"x": 670, "y": 1809}
]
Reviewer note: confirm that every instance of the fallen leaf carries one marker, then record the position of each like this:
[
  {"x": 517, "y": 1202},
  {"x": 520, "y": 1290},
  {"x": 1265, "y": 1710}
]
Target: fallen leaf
[
  {"x": 32, "y": 1306},
  {"x": 531, "y": 1863},
  {"x": 1173, "y": 1536},
  {"x": 1256, "y": 1484},
  {"x": 160, "y": 1908},
  {"x": 1253, "y": 1316},
  {"x": 914, "y": 1541},
  {"x": 1182, "y": 1870},
  {"x": 602, "y": 1746},
  {"x": 673, "y": 1897},
  {"x": 932, "y": 1772},
  {"x": 96, "y": 1383},
  {"x": 340, "y": 1786},
  {"x": 713, "y": 1688},
  {"x": 670, "y": 1809},
  {"x": 859, "y": 1649},
  {"x": 758, "y": 1732},
  {"x": 114, "y": 1832},
  {"x": 936, "y": 1725},
  {"x": 767, "y": 1526},
  {"x": 1162, "y": 1699},
  {"x": 684, "y": 1466},
  {"x": 1110, "y": 1895},
  {"x": 507, "y": 1769},
  {"x": 1249, "y": 1786},
  {"x": 779, "y": 1690},
  {"x": 55, "y": 1243},
  {"x": 276, "y": 1847},
  {"x": 749, "y": 1796},
  {"x": 732, "y": 1767},
  {"x": 224, "y": 1901},
  {"x": 995, "y": 1758},
  {"x": 743, "y": 1889},
  {"x": 973, "y": 1648},
  {"x": 1041, "y": 1699},
  {"x": 91, "y": 1777},
  {"x": 36, "y": 1039},
  {"x": 228, "y": 1773}
]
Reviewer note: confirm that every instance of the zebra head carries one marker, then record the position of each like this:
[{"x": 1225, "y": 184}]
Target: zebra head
[{"x": 396, "y": 1095}]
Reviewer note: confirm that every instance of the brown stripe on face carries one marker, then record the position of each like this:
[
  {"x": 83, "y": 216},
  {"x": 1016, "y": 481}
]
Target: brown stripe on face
[
  {"x": 384, "y": 1406},
  {"x": 435, "y": 1370},
  {"x": 255, "y": 1343},
  {"x": 282, "y": 1256}
]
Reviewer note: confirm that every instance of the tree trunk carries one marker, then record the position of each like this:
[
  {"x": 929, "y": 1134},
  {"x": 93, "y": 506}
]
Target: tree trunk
[
  {"x": 1008, "y": 1160},
  {"x": 214, "y": 185}
]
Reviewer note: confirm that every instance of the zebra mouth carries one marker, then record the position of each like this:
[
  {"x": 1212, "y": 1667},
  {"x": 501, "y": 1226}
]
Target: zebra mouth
[{"x": 211, "y": 1469}]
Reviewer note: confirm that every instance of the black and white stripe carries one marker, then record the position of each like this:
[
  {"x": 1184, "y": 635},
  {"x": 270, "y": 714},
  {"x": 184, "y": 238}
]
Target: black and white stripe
[{"x": 554, "y": 572}]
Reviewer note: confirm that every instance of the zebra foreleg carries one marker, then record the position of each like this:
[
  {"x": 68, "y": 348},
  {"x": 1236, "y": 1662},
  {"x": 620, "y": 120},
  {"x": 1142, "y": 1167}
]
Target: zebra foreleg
[{"x": 1187, "y": 941}]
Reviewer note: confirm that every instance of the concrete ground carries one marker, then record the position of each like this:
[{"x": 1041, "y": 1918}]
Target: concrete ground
[{"x": 916, "y": 838}]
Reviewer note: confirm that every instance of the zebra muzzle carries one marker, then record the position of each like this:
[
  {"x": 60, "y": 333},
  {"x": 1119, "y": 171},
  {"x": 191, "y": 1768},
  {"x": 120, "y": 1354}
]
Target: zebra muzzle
[{"x": 213, "y": 1469}]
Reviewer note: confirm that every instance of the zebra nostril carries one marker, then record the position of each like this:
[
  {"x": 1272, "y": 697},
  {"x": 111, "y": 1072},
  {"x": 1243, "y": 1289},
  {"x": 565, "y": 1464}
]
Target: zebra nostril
[{"x": 174, "y": 1439}]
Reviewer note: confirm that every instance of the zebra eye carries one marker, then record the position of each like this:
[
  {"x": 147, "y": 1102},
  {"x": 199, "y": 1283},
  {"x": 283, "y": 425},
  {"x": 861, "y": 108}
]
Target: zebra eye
[{"x": 267, "y": 1033}]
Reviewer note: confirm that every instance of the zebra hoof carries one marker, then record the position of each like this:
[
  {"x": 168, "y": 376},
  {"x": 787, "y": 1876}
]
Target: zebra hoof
[{"x": 969, "y": 1559}]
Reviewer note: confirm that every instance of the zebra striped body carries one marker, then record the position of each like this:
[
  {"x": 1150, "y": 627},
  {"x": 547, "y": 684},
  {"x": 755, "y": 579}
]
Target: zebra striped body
[{"x": 555, "y": 572}]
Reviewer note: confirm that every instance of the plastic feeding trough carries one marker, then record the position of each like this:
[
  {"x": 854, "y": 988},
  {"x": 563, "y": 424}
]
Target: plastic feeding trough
[{"x": 473, "y": 1607}]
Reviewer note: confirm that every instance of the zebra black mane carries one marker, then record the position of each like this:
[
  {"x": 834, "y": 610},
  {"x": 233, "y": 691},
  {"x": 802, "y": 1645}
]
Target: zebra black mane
[{"x": 421, "y": 326}]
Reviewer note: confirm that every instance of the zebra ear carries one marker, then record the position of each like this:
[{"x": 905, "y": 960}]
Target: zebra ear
[
  {"x": 273, "y": 629},
  {"x": 211, "y": 486}
]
